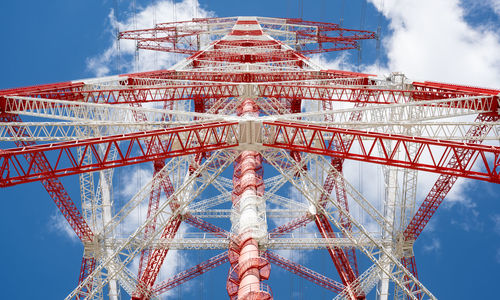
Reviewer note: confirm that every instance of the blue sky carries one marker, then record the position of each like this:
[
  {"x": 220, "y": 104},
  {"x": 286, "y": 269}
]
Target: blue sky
[{"x": 458, "y": 256}]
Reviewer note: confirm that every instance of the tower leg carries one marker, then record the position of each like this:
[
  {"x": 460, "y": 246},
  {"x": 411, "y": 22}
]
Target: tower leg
[
  {"x": 106, "y": 217},
  {"x": 389, "y": 212},
  {"x": 249, "y": 223}
]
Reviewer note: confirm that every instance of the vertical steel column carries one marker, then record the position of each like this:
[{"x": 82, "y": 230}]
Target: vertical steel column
[
  {"x": 250, "y": 226},
  {"x": 106, "y": 217}
]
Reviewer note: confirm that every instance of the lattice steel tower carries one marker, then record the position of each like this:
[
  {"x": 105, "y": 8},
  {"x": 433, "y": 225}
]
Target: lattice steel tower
[{"x": 247, "y": 103}]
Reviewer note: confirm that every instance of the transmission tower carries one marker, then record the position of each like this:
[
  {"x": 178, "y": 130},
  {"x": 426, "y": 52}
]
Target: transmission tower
[{"x": 246, "y": 104}]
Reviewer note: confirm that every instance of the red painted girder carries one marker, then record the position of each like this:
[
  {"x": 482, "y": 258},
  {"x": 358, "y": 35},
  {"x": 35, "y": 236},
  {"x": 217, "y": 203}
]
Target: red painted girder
[
  {"x": 431, "y": 155},
  {"x": 190, "y": 273},
  {"x": 87, "y": 267},
  {"x": 53, "y": 185},
  {"x": 165, "y": 184},
  {"x": 341, "y": 196},
  {"x": 440, "y": 87},
  {"x": 64, "y": 160},
  {"x": 410, "y": 265},
  {"x": 248, "y": 58},
  {"x": 338, "y": 256},
  {"x": 245, "y": 43},
  {"x": 156, "y": 46},
  {"x": 327, "y": 27},
  {"x": 339, "y": 183},
  {"x": 59, "y": 87},
  {"x": 163, "y": 32},
  {"x": 154, "y": 202},
  {"x": 328, "y": 36},
  {"x": 279, "y": 63},
  {"x": 291, "y": 225},
  {"x": 304, "y": 272},
  {"x": 138, "y": 94},
  {"x": 70, "y": 88},
  {"x": 463, "y": 159},
  {"x": 168, "y": 38},
  {"x": 424, "y": 89},
  {"x": 206, "y": 226},
  {"x": 369, "y": 94},
  {"x": 155, "y": 260},
  {"x": 142, "y": 78}
]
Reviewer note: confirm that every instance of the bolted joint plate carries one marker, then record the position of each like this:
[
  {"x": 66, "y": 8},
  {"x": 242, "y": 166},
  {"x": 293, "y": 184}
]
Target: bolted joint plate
[
  {"x": 93, "y": 248},
  {"x": 250, "y": 134},
  {"x": 404, "y": 248}
]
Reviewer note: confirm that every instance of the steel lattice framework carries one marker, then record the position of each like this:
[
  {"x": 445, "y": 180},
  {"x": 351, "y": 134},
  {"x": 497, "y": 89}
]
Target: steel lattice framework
[{"x": 248, "y": 97}]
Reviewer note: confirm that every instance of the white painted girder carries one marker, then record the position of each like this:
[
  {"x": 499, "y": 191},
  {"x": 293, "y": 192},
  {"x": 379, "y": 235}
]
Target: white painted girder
[
  {"x": 373, "y": 253},
  {"x": 67, "y": 131},
  {"x": 126, "y": 251}
]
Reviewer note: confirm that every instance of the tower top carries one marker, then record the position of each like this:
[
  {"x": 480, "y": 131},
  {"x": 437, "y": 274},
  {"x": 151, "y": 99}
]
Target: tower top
[{"x": 189, "y": 37}]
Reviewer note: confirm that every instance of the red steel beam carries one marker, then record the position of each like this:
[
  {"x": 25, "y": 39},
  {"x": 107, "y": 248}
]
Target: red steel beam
[
  {"x": 341, "y": 196},
  {"x": 190, "y": 273},
  {"x": 155, "y": 261},
  {"x": 291, "y": 225},
  {"x": 410, "y": 265},
  {"x": 40, "y": 164},
  {"x": 248, "y": 58},
  {"x": 304, "y": 272},
  {"x": 157, "y": 93},
  {"x": 138, "y": 78},
  {"x": 62, "y": 200},
  {"x": 370, "y": 94},
  {"x": 87, "y": 267},
  {"x": 358, "y": 94},
  {"x": 339, "y": 258},
  {"x": 462, "y": 157},
  {"x": 154, "y": 202},
  {"x": 440, "y": 87},
  {"x": 131, "y": 150},
  {"x": 441, "y": 188},
  {"x": 327, "y": 36},
  {"x": 432, "y": 155}
]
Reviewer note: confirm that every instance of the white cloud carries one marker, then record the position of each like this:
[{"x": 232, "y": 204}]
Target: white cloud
[
  {"x": 162, "y": 11},
  {"x": 433, "y": 246},
  {"x": 430, "y": 40},
  {"x": 59, "y": 224},
  {"x": 134, "y": 180}
]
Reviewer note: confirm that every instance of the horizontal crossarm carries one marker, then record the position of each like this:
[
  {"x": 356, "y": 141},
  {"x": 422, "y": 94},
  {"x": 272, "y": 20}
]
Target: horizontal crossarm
[
  {"x": 63, "y": 159},
  {"x": 432, "y": 155}
]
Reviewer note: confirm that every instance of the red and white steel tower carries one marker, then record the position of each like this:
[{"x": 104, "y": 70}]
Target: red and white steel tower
[{"x": 248, "y": 97}]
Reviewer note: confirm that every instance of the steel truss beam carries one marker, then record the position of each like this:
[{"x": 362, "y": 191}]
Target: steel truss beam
[
  {"x": 190, "y": 273},
  {"x": 162, "y": 216},
  {"x": 440, "y": 189},
  {"x": 432, "y": 155},
  {"x": 64, "y": 161},
  {"x": 379, "y": 255},
  {"x": 40, "y": 164}
]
